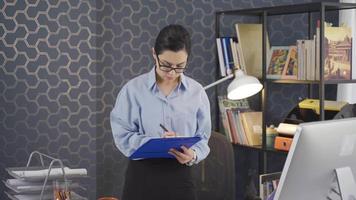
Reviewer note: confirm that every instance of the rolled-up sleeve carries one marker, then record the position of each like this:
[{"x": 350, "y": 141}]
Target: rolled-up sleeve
[
  {"x": 203, "y": 128},
  {"x": 124, "y": 120}
]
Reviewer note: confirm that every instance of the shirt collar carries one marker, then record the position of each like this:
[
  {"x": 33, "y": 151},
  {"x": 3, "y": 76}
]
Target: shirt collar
[
  {"x": 152, "y": 80},
  {"x": 183, "y": 81}
]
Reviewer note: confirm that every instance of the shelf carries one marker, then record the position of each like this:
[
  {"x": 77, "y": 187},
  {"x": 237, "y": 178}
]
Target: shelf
[
  {"x": 259, "y": 148},
  {"x": 291, "y": 9},
  {"x": 290, "y": 81},
  {"x": 340, "y": 81},
  {"x": 318, "y": 8}
]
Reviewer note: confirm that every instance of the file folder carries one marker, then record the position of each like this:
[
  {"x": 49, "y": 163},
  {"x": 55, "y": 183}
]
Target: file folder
[{"x": 159, "y": 147}]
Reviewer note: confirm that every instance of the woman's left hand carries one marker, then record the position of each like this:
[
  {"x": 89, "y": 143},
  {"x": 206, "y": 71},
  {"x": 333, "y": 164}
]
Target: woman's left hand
[{"x": 183, "y": 157}]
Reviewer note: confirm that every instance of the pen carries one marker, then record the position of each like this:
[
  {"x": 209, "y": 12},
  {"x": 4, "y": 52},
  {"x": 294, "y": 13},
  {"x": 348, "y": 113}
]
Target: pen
[{"x": 164, "y": 128}]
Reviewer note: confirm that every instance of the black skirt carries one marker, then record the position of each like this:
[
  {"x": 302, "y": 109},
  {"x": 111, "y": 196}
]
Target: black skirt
[{"x": 158, "y": 179}]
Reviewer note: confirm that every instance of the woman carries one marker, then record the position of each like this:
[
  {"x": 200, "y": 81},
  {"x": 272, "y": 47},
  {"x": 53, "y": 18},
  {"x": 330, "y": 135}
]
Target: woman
[{"x": 162, "y": 96}]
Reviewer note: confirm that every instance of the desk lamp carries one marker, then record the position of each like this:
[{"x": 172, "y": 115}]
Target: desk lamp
[{"x": 242, "y": 86}]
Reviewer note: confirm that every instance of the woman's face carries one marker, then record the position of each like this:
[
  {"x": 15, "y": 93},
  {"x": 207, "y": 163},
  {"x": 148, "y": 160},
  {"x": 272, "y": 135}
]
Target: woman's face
[{"x": 169, "y": 60}]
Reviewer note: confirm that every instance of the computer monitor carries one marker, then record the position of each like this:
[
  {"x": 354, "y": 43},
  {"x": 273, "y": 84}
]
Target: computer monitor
[{"x": 318, "y": 149}]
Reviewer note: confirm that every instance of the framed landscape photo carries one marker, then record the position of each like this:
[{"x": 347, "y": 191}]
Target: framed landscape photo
[{"x": 338, "y": 53}]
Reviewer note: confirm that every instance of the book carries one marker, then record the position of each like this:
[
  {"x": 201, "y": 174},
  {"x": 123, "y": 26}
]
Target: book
[
  {"x": 277, "y": 61},
  {"x": 221, "y": 57},
  {"x": 312, "y": 61},
  {"x": 317, "y": 51},
  {"x": 230, "y": 55},
  {"x": 252, "y": 124},
  {"x": 240, "y": 57},
  {"x": 234, "y": 53},
  {"x": 226, "y": 55},
  {"x": 241, "y": 130},
  {"x": 233, "y": 128},
  {"x": 307, "y": 57},
  {"x": 226, "y": 105},
  {"x": 300, "y": 49},
  {"x": 229, "y": 63},
  {"x": 223, "y": 117},
  {"x": 250, "y": 40},
  {"x": 290, "y": 70},
  {"x": 338, "y": 53}
]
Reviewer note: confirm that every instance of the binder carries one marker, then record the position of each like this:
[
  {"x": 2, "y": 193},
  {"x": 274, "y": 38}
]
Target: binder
[{"x": 159, "y": 147}]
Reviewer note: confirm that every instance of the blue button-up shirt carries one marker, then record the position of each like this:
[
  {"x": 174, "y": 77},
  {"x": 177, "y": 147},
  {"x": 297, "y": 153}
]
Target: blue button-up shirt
[{"x": 140, "y": 107}]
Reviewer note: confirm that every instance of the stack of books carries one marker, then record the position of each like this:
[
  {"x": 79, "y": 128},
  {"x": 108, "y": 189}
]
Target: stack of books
[
  {"x": 268, "y": 185},
  {"x": 229, "y": 54},
  {"x": 241, "y": 124},
  {"x": 302, "y": 60}
]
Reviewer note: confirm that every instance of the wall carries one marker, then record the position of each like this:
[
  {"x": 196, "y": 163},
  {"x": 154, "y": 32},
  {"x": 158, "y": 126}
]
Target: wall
[
  {"x": 63, "y": 63},
  {"x": 48, "y": 83}
]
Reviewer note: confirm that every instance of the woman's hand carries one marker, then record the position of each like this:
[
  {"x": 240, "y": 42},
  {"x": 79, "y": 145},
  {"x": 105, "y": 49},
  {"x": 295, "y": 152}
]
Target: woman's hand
[
  {"x": 169, "y": 134},
  {"x": 183, "y": 157}
]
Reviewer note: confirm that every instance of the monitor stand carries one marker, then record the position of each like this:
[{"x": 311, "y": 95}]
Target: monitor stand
[
  {"x": 343, "y": 185},
  {"x": 346, "y": 182}
]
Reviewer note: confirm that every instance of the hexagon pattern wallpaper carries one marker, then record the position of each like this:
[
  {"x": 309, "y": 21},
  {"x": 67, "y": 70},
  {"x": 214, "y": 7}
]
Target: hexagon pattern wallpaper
[{"x": 62, "y": 63}]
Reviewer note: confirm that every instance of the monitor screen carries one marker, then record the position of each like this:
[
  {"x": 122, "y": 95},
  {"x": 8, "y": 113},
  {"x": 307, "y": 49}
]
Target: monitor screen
[{"x": 318, "y": 149}]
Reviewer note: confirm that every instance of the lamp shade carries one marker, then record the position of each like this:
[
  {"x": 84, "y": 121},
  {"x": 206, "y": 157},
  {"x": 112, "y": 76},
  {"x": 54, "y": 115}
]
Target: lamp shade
[{"x": 243, "y": 86}]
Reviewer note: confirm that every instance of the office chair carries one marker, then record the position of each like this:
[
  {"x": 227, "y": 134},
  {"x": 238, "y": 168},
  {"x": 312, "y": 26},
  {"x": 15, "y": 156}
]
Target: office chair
[
  {"x": 215, "y": 176},
  {"x": 347, "y": 111}
]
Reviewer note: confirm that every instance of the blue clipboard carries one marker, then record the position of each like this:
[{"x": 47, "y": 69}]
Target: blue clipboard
[{"x": 159, "y": 147}]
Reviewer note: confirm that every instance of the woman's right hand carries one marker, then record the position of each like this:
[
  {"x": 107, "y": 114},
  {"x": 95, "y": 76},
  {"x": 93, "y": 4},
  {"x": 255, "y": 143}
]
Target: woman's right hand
[{"x": 169, "y": 134}]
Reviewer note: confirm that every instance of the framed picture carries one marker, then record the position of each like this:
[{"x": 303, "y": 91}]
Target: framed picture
[
  {"x": 290, "y": 70},
  {"x": 277, "y": 61},
  {"x": 338, "y": 53}
]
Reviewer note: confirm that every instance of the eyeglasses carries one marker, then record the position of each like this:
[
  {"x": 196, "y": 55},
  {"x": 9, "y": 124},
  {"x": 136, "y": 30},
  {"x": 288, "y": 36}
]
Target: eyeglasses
[{"x": 168, "y": 68}]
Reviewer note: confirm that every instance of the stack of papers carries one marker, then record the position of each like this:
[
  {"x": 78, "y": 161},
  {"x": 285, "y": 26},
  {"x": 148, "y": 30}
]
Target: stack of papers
[
  {"x": 26, "y": 187},
  {"x": 28, "y": 182},
  {"x": 38, "y": 173},
  {"x": 19, "y": 186},
  {"x": 48, "y": 196}
]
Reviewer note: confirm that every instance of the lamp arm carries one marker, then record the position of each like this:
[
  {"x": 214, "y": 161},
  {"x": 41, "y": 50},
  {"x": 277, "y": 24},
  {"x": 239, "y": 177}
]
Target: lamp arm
[{"x": 219, "y": 81}]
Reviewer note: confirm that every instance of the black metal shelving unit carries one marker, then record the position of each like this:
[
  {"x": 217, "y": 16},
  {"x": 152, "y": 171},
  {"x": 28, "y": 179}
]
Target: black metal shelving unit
[
  {"x": 263, "y": 14},
  {"x": 260, "y": 148}
]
